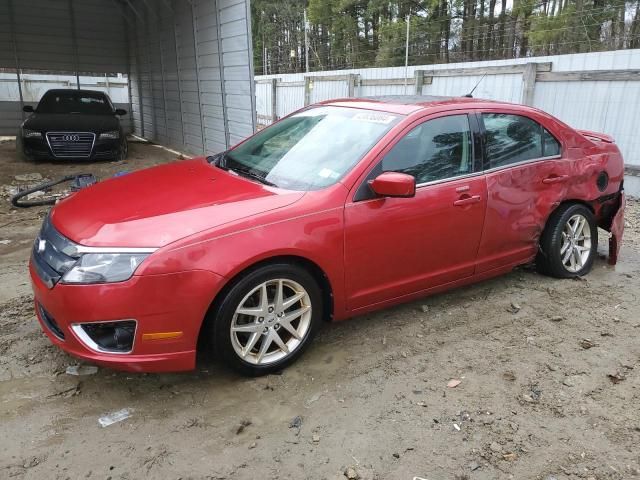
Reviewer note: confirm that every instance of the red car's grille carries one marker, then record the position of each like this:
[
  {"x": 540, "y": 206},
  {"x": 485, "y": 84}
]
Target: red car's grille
[{"x": 71, "y": 144}]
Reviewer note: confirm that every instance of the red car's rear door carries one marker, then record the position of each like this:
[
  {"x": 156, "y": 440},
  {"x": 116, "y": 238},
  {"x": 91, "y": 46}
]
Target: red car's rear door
[
  {"x": 526, "y": 177},
  {"x": 399, "y": 246}
]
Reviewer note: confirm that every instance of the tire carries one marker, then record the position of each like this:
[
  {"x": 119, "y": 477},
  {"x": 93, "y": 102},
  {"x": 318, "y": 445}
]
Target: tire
[
  {"x": 554, "y": 258},
  {"x": 251, "y": 342},
  {"x": 20, "y": 149},
  {"x": 124, "y": 150}
]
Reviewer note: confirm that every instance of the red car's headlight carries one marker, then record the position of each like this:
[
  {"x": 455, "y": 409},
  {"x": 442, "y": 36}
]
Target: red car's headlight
[{"x": 104, "y": 268}]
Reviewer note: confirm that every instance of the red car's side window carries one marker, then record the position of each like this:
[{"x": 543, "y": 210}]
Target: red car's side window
[
  {"x": 434, "y": 150},
  {"x": 514, "y": 138}
]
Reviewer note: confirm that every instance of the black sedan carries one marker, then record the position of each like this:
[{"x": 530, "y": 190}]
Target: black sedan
[{"x": 73, "y": 125}]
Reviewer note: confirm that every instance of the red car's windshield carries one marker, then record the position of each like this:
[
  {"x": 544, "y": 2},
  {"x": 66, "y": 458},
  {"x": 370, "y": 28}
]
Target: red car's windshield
[
  {"x": 311, "y": 149},
  {"x": 87, "y": 103}
]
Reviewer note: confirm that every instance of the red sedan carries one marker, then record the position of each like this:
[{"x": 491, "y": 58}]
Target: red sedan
[{"x": 341, "y": 208}]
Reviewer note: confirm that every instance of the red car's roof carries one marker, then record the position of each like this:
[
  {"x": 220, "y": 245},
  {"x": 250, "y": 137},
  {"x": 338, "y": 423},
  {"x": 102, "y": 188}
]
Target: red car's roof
[{"x": 407, "y": 104}]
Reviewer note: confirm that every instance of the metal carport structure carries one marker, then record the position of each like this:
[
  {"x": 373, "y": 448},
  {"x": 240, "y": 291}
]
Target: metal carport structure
[{"x": 189, "y": 62}]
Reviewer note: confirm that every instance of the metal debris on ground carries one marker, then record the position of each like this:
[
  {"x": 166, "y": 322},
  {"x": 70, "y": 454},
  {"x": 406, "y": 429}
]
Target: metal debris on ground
[
  {"x": 587, "y": 343},
  {"x": 616, "y": 377},
  {"x": 115, "y": 417},
  {"x": 514, "y": 308},
  {"x": 28, "y": 177},
  {"x": 453, "y": 383},
  {"x": 296, "y": 422},
  {"x": 244, "y": 423},
  {"x": 81, "y": 370}
]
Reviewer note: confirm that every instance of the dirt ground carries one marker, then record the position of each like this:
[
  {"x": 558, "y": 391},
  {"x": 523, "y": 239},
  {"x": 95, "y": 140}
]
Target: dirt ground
[{"x": 549, "y": 387}]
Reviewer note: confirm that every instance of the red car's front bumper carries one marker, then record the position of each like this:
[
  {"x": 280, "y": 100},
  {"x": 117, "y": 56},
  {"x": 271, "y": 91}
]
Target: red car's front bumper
[{"x": 175, "y": 303}]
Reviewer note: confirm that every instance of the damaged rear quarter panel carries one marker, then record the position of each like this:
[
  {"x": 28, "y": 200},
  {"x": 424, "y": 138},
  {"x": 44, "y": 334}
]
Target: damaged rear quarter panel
[{"x": 520, "y": 201}]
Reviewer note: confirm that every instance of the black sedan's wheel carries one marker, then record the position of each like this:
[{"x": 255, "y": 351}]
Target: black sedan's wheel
[
  {"x": 124, "y": 150},
  {"x": 20, "y": 149},
  {"x": 267, "y": 319},
  {"x": 569, "y": 243}
]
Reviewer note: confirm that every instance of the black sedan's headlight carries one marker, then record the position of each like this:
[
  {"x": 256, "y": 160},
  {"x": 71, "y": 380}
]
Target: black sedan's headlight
[
  {"x": 111, "y": 135},
  {"x": 26, "y": 133}
]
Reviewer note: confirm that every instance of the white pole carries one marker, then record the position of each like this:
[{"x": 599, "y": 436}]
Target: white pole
[
  {"x": 406, "y": 55},
  {"x": 306, "y": 43}
]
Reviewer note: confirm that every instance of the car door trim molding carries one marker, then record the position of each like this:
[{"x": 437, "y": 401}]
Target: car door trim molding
[
  {"x": 449, "y": 179},
  {"x": 421, "y": 185},
  {"x": 523, "y": 162}
]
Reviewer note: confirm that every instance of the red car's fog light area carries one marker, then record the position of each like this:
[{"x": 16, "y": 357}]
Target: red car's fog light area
[
  {"x": 159, "y": 303},
  {"x": 107, "y": 337}
]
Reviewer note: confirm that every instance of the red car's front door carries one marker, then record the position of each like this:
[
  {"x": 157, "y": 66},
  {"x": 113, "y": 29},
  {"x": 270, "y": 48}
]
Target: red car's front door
[{"x": 399, "y": 246}]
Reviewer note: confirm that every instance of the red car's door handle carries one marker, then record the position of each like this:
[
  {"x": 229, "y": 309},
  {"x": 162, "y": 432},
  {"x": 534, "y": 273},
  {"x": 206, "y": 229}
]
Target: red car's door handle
[
  {"x": 466, "y": 200},
  {"x": 555, "y": 179}
]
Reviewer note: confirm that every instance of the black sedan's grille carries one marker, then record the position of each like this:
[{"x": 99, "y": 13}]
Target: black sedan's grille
[{"x": 71, "y": 144}]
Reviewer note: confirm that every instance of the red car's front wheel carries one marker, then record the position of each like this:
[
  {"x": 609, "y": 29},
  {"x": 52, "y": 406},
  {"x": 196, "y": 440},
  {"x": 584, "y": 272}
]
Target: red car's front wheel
[{"x": 267, "y": 319}]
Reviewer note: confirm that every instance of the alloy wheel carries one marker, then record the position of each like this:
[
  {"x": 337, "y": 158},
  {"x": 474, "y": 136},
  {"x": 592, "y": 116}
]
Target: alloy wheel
[
  {"x": 271, "y": 321},
  {"x": 576, "y": 243}
]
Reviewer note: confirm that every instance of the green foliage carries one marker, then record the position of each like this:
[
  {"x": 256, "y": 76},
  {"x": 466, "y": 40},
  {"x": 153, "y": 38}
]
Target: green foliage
[{"x": 363, "y": 33}]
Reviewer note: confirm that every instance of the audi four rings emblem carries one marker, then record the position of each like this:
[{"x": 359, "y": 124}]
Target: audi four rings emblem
[{"x": 71, "y": 138}]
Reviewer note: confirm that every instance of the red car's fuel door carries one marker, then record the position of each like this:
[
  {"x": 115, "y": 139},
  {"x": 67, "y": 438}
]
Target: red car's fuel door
[{"x": 399, "y": 246}]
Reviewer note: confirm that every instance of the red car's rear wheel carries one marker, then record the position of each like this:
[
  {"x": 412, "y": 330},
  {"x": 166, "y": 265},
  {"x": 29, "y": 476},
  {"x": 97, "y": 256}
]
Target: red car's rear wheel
[{"x": 569, "y": 243}]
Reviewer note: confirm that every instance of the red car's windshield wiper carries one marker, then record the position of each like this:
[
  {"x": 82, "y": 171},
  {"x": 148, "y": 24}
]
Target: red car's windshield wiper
[
  {"x": 249, "y": 174},
  {"x": 220, "y": 161}
]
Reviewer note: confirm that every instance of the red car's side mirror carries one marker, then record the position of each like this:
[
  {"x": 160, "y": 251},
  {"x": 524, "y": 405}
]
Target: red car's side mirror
[{"x": 394, "y": 184}]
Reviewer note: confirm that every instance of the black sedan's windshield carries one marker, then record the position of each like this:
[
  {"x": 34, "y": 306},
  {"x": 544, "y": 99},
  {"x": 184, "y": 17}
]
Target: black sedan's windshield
[
  {"x": 311, "y": 149},
  {"x": 87, "y": 103}
]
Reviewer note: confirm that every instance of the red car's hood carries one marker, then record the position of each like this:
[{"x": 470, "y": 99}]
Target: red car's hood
[{"x": 156, "y": 206}]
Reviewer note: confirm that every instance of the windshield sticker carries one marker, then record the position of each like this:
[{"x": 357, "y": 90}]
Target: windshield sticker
[
  {"x": 374, "y": 117},
  {"x": 328, "y": 173}
]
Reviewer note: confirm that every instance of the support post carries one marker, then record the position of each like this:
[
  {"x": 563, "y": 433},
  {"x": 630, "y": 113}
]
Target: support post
[
  {"x": 406, "y": 54},
  {"x": 15, "y": 55},
  {"x": 159, "y": 36},
  {"x": 274, "y": 100},
  {"x": 197, "y": 70},
  {"x": 74, "y": 42},
  {"x": 351, "y": 79},
  {"x": 150, "y": 73},
  {"x": 419, "y": 81},
  {"x": 139, "y": 78},
  {"x": 308, "y": 85},
  {"x": 179, "y": 78},
  {"x": 127, "y": 26},
  {"x": 528, "y": 83},
  {"x": 306, "y": 42},
  {"x": 223, "y": 93}
]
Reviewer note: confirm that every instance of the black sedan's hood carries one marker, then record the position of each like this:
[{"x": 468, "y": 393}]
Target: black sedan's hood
[{"x": 71, "y": 122}]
